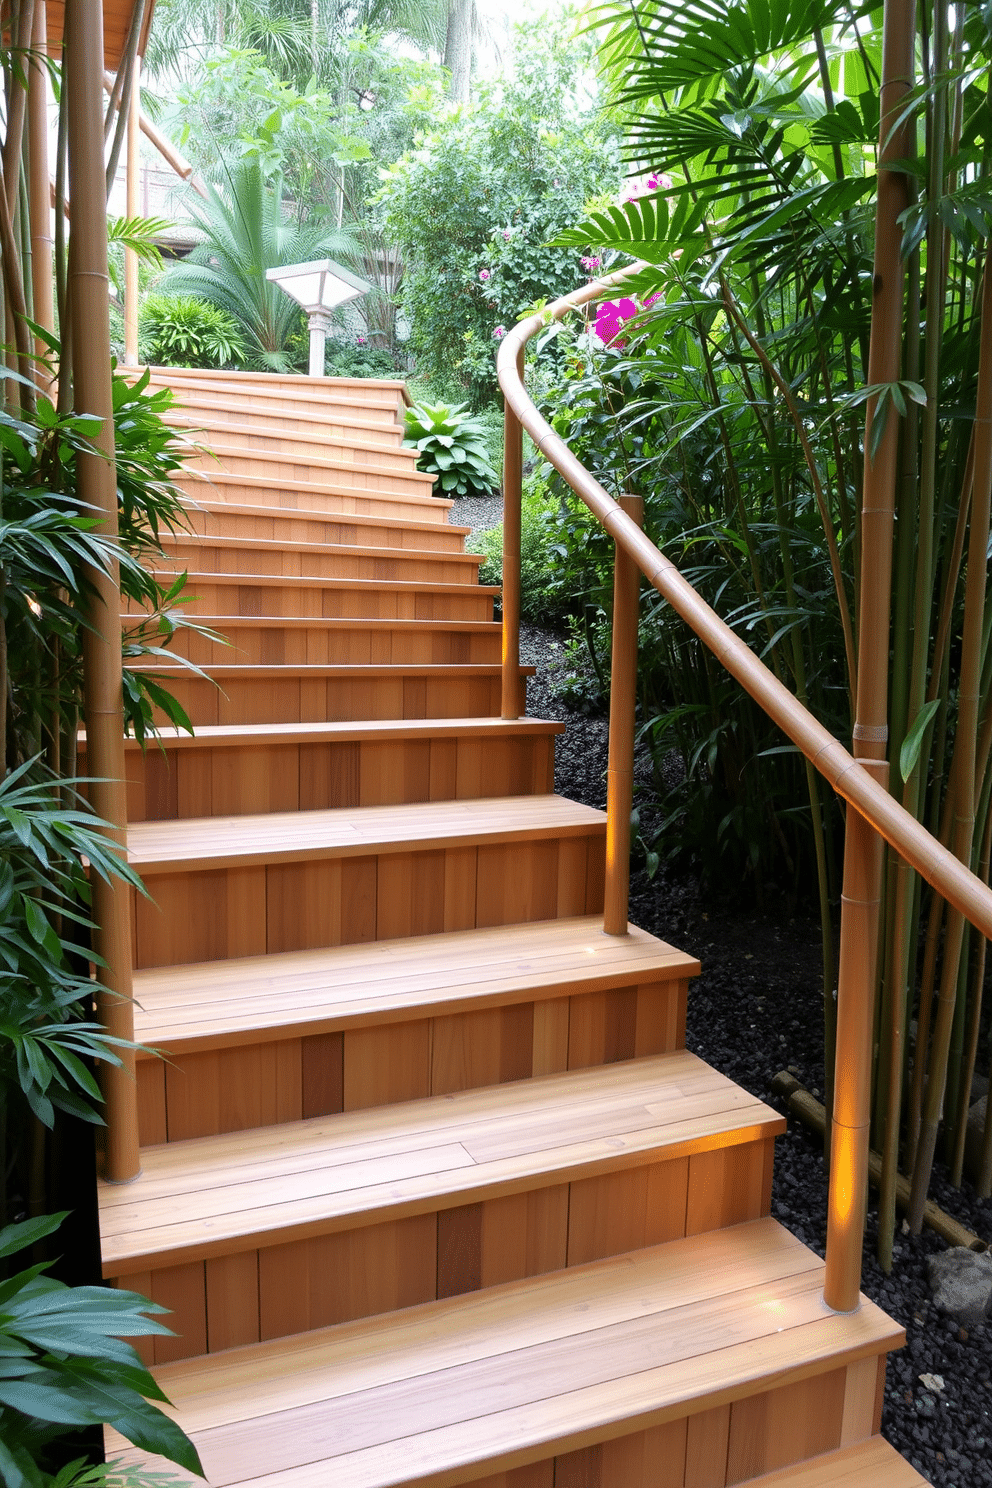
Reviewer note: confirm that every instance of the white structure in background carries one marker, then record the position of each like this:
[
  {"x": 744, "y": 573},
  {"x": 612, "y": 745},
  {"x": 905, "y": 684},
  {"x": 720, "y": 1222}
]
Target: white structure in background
[{"x": 320, "y": 287}]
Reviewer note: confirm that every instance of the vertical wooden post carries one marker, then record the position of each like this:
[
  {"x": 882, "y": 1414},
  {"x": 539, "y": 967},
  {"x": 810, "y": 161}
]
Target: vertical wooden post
[
  {"x": 623, "y": 702},
  {"x": 513, "y": 453},
  {"x": 132, "y": 210},
  {"x": 39, "y": 191},
  {"x": 89, "y": 299},
  {"x": 863, "y": 848}
]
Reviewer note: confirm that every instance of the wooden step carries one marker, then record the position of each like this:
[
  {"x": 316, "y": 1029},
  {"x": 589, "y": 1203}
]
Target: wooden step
[
  {"x": 230, "y": 413},
  {"x": 361, "y": 1026},
  {"x": 383, "y": 402},
  {"x": 272, "y": 437},
  {"x": 358, "y": 522},
  {"x": 313, "y": 640},
  {"x": 371, "y": 599},
  {"x": 448, "y": 1195},
  {"x": 321, "y": 694},
  {"x": 265, "y": 557},
  {"x": 232, "y": 770},
  {"x": 270, "y": 469},
  {"x": 247, "y": 885},
  {"x": 708, "y": 1353},
  {"x": 866, "y": 1464}
]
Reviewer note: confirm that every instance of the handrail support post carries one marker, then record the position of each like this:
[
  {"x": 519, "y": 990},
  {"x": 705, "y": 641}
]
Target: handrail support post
[
  {"x": 623, "y": 704},
  {"x": 513, "y": 452}
]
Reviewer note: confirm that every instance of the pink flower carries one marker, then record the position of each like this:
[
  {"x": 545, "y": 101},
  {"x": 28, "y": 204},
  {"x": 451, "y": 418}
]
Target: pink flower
[
  {"x": 641, "y": 185},
  {"x": 591, "y": 263},
  {"x": 507, "y": 235},
  {"x": 499, "y": 332},
  {"x": 484, "y": 275},
  {"x": 610, "y": 316},
  {"x": 360, "y": 340}
]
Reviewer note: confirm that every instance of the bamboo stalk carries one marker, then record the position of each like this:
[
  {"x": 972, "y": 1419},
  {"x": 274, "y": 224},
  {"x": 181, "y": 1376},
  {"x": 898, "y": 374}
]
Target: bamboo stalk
[
  {"x": 512, "y": 497},
  {"x": 102, "y": 635},
  {"x": 23, "y": 24},
  {"x": 130, "y": 257},
  {"x": 623, "y": 701},
  {"x": 38, "y": 190}
]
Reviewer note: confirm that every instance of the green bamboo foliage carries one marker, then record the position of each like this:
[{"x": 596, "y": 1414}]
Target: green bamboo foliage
[{"x": 753, "y": 128}]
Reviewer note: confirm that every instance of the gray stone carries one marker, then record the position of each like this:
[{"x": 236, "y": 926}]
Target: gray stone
[
  {"x": 961, "y": 1283},
  {"x": 974, "y": 1136}
]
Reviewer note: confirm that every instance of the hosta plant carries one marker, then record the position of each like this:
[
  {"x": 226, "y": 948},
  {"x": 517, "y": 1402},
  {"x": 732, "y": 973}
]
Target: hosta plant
[{"x": 451, "y": 441}]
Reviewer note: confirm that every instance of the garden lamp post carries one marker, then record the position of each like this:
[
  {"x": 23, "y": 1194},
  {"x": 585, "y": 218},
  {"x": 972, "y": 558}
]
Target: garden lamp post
[{"x": 319, "y": 287}]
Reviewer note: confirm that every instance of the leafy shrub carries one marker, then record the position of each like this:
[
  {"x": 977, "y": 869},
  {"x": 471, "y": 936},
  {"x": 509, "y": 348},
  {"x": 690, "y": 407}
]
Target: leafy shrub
[
  {"x": 185, "y": 331},
  {"x": 451, "y": 442}
]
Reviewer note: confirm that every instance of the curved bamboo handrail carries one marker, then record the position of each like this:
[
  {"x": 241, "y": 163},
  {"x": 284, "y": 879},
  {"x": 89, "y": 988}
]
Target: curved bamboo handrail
[{"x": 851, "y": 780}]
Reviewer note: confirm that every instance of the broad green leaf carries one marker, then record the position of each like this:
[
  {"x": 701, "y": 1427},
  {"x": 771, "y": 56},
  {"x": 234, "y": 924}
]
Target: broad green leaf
[{"x": 909, "y": 754}]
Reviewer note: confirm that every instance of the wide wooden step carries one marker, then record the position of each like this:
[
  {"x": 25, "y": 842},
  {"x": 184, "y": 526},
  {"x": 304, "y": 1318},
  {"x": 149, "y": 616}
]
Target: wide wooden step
[
  {"x": 432, "y": 1198},
  {"x": 247, "y": 885},
  {"x": 264, "y": 1039},
  {"x": 284, "y": 470},
  {"x": 711, "y": 1354},
  {"x": 367, "y": 398},
  {"x": 272, "y": 437},
  {"x": 318, "y": 694},
  {"x": 270, "y": 558},
  {"x": 357, "y": 522},
  {"x": 866, "y": 1464},
  {"x": 315, "y": 640},
  {"x": 229, "y": 412},
  {"x": 230, "y": 770},
  {"x": 371, "y": 599}
]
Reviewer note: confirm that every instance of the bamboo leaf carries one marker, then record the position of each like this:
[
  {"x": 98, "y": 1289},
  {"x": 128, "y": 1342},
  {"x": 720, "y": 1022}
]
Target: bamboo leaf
[{"x": 912, "y": 744}]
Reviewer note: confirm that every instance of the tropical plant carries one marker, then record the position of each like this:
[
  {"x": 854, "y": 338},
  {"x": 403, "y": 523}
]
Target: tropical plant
[
  {"x": 472, "y": 206},
  {"x": 66, "y": 1364},
  {"x": 450, "y": 442},
  {"x": 739, "y": 396},
  {"x": 245, "y": 232},
  {"x": 183, "y": 331}
]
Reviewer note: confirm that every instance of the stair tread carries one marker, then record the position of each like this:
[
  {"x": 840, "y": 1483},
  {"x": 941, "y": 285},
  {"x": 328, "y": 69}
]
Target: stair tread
[
  {"x": 189, "y": 422},
  {"x": 369, "y": 670},
  {"x": 213, "y": 735},
  {"x": 409, "y": 624},
  {"x": 197, "y": 843},
  {"x": 271, "y": 1185},
  {"x": 277, "y": 545},
  {"x": 215, "y": 474},
  {"x": 312, "y": 581},
  {"x": 239, "y": 1001},
  {"x": 403, "y": 469},
  {"x": 872, "y": 1462},
  {"x": 495, "y": 1379},
  {"x": 341, "y": 518}
]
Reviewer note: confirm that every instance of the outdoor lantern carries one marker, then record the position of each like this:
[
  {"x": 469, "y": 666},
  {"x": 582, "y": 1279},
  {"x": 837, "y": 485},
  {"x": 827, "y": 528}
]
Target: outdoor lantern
[{"x": 319, "y": 287}]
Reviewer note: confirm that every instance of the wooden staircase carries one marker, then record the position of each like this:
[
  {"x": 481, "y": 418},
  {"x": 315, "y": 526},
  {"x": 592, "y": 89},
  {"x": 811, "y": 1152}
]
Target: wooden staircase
[{"x": 430, "y": 1182}]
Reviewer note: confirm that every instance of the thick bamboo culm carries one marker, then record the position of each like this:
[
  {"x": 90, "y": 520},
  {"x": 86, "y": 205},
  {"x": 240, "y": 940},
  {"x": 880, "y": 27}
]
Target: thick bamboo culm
[
  {"x": 849, "y": 778},
  {"x": 39, "y": 192},
  {"x": 89, "y": 300},
  {"x": 513, "y": 449},
  {"x": 623, "y": 703},
  {"x": 130, "y": 257}
]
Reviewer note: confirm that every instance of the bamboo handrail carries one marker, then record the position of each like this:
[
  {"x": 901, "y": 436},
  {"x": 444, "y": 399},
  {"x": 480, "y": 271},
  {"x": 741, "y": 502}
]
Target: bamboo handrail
[{"x": 872, "y": 803}]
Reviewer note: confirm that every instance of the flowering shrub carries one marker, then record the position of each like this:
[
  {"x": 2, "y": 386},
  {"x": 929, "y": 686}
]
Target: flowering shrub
[{"x": 610, "y": 316}]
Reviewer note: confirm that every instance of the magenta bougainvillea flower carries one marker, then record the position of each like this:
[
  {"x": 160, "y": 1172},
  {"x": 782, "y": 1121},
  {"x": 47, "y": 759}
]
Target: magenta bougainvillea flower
[{"x": 610, "y": 316}]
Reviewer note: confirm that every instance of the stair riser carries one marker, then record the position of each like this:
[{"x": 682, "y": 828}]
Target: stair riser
[
  {"x": 275, "y": 443},
  {"x": 219, "y": 913},
  {"x": 302, "y": 1283},
  {"x": 291, "y": 396},
  {"x": 286, "y": 525},
  {"x": 262, "y": 1084},
  {"x": 301, "y": 699},
  {"x": 235, "y": 421},
  {"x": 273, "y": 645},
  {"x": 256, "y": 777},
  {"x": 206, "y": 596},
  {"x": 260, "y": 472},
  {"x": 353, "y": 562},
  {"x": 325, "y": 495}
]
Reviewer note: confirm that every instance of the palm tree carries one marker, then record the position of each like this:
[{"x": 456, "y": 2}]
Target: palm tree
[{"x": 246, "y": 231}]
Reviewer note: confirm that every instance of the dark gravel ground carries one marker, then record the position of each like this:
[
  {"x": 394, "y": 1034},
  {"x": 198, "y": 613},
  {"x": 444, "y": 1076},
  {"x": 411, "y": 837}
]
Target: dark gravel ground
[{"x": 756, "y": 1010}]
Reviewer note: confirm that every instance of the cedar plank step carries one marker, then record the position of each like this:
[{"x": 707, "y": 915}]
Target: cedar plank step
[
  {"x": 296, "y": 524},
  {"x": 867, "y": 1464},
  {"x": 298, "y": 424},
  {"x": 200, "y": 844},
  {"x": 455, "y": 1391},
  {"x": 296, "y": 594},
  {"x": 259, "y": 998},
  {"x": 261, "y": 640},
  {"x": 399, "y": 488},
  {"x": 368, "y": 398},
  {"x": 213, "y": 736},
  {"x": 311, "y": 465},
  {"x": 317, "y": 560},
  {"x": 258, "y": 437},
  {"x": 219, "y": 1195}
]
